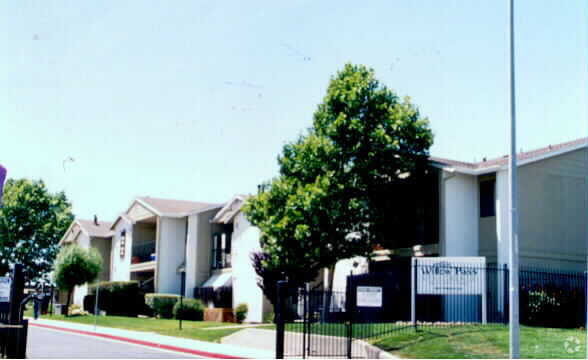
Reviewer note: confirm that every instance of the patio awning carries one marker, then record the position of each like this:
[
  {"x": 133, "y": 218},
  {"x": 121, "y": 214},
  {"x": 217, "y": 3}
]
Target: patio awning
[{"x": 219, "y": 280}]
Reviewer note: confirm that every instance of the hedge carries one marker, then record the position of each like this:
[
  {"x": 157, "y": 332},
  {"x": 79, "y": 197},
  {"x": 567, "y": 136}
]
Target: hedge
[
  {"x": 189, "y": 309},
  {"x": 121, "y": 298},
  {"x": 162, "y": 305}
]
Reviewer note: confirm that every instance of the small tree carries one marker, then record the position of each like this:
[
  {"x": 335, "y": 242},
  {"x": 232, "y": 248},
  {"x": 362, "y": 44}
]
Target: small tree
[{"x": 75, "y": 266}]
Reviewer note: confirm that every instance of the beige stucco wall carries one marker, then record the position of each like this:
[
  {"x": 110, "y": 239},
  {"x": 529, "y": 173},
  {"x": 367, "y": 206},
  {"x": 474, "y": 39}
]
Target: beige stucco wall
[
  {"x": 138, "y": 212},
  {"x": 103, "y": 246},
  {"x": 552, "y": 212},
  {"x": 198, "y": 251},
  {"x": 170, "y": 254}
]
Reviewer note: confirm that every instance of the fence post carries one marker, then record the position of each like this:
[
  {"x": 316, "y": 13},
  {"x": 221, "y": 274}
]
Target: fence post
[
  {"x": 586, "y": 308},
  {"x": 350, "y": 301},
  {"x": 505, "y": 293},
  {"x": 16, "y": 295},
  {"x": 280, "y": 330},
  {"x": 14, "y": 344},
  {"x": 413, "y": 291}
]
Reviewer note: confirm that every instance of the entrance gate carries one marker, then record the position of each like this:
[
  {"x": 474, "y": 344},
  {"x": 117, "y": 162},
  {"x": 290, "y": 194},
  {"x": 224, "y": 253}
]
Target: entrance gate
[
  {"x": 13, "y": 329},
  {"x": 321, "y": 323}
]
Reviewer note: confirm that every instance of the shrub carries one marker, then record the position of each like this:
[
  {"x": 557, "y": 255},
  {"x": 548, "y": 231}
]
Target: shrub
[
  {"x": 241, "y": 312},
  {"x": 162, "y": 304},
  {"x": 189, "y": 309},
  {"x": 121, "y": 298}
]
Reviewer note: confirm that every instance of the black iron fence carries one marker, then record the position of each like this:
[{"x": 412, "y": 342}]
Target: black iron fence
[
  {"x": 13, "y": 328},
  {"x": 323, "y": 323}
]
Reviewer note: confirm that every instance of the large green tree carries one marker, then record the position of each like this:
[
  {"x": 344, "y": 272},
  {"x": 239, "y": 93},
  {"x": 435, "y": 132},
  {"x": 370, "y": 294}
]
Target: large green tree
[
  {"x": 75, "y": 266},
  {"x": 342, "y": 184},
  {"x": 32, "y": 220}
]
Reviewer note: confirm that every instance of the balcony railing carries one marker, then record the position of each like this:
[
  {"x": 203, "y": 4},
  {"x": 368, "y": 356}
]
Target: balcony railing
[
  {"x": 143, "y": 253},
  {"x": 221, "y": 259}
]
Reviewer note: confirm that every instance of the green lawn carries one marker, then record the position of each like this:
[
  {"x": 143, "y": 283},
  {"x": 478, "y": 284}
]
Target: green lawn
[
  {"x": 190, "y": 329},
  {"x": 490, "y": 341}
]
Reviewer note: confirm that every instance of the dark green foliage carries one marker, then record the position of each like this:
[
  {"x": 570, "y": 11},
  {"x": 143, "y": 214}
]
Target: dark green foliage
[
  {"x": 189, "y": 309},
  {"x": 241, "y": 312},
  {"x": 122, "y": 298},
  {"x": 553, "y": 305},
  {"x": 162, "y": 305},
  {"x": 335, "y": 196},
  {"x": 32, "y": 221}
]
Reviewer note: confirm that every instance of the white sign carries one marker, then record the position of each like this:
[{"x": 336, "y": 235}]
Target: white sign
[
  {"x": 450, "y": 275},
  {"x": 4, "y": 289},
  {"x": 369, "y": 296}
]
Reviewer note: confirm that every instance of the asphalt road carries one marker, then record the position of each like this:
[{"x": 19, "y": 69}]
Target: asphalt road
[{"x": 46, "y": 343}]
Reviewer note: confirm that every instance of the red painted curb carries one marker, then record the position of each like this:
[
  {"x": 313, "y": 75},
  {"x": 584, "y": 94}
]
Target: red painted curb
[{"x": 141, "y": 342}]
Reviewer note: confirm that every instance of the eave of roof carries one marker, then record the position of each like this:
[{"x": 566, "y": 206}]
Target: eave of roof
[{"x": 499, "y": 163}]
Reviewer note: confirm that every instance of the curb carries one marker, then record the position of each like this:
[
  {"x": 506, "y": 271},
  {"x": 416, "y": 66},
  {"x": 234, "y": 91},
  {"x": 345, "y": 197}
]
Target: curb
[{"x": 140, "y": 342}]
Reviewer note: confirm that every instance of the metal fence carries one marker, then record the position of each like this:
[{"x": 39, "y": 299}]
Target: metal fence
[{"x": 322, "y": 323}]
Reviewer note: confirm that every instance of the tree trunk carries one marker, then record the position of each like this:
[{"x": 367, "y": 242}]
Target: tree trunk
[
  {"x": 68, "y": 301},
  {"x": 328, "y": 292}
]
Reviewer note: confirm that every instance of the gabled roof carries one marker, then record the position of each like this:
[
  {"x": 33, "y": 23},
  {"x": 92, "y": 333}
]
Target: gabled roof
[
  {"x": 232, "y": 208},
  {"x": 120, "y": 217},
  {"x": 491, "y": 165},
  {"x": 172, "y": 208},
  {"x": 102, "y": 230}
]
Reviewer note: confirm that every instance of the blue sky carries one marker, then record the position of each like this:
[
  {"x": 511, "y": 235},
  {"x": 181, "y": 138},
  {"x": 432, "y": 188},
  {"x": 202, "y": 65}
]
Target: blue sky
[{"x": 194, "y": 100}]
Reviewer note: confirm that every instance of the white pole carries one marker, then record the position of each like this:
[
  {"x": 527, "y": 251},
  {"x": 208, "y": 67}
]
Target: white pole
[{"x": 513, "y": 223}]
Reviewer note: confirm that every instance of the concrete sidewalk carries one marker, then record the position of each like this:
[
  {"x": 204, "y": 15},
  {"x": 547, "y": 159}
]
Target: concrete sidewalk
[{"x": 188, "y": 346}]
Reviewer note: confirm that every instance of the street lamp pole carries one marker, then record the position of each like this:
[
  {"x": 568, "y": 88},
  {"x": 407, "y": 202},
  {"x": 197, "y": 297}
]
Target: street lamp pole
[{"x": 513, "y": 223}]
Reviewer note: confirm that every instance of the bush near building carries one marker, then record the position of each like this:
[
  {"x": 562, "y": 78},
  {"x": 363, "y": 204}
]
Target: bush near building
[
  {"x": 241, "y": 312},
  {"x": 162, "y": 305},
  {"x": 189, "y": 309}
]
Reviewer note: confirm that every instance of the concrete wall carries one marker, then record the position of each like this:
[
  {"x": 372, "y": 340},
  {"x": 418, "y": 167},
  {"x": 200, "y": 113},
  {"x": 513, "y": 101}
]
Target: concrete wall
[
  {"x": 245, "y": 290},
  {"x": 170, "y": 254},
  {"x": 459, "y": 215},
  {"x": 552, "y": 212},
  {"x": 121, "y": 267}
]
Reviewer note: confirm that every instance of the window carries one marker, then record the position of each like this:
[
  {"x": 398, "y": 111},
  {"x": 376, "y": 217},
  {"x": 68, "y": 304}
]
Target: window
[
  {"x": 487, "y": 203},
  {"x": 123, "y": 241}
]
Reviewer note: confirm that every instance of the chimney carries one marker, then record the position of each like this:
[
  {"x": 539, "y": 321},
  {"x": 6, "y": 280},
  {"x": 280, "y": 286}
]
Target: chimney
[{"x": 96, "y": 220}]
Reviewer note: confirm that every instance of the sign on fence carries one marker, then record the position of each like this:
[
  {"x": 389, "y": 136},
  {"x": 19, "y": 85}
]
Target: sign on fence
[
  {"x": 4, "y": 289},
  {"x": 450, "y": 276},
  {"x": 369, "y": 296}
]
